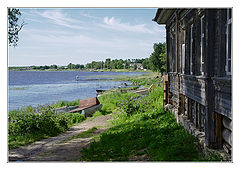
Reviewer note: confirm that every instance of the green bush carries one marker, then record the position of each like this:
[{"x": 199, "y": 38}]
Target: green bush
[{"x": 37, "y": 123}]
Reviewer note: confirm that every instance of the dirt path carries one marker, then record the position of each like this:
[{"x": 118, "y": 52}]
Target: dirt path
[{"x": 60, "y": 148}]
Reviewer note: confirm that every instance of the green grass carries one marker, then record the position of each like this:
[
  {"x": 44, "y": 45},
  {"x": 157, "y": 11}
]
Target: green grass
[
  {"x": 65, "y": 103},
  {"x": 85, "y": 134},
  {"x": 144, "y": 131}
]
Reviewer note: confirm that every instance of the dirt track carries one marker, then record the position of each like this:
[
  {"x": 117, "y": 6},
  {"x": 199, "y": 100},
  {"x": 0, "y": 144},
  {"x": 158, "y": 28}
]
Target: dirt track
[{"x": 60, "y": 148}]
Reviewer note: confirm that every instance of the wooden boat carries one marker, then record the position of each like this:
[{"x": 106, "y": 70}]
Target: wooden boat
[
  {"x": 87, "y": 106},
  {"x": 100, "y": 91},
  {"x": 65, "y": 109}
]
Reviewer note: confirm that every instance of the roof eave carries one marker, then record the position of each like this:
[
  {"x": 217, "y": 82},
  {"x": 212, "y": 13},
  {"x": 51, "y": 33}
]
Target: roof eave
[{"x": 163, "y": 15}]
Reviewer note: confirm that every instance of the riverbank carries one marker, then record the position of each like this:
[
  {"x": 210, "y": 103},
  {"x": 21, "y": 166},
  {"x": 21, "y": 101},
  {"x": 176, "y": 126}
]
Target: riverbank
[
  {"x": 141, "y": 130},
  {"x": 31, "y": 124}
]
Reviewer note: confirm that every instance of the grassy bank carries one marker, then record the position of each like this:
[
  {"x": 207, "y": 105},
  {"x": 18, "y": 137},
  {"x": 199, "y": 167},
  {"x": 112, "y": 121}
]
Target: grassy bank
[
  {"x": 29, "y": 125},
  {"x": 143, "y": 131}
]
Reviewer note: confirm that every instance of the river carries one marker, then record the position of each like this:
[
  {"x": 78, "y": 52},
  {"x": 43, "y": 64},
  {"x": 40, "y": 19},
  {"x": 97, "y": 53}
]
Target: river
[{"x": 35, "y": 88}]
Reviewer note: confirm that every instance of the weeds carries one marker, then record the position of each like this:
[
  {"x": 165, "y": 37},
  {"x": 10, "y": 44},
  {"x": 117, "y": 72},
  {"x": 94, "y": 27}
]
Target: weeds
[
  {"x": 146, "y": 127},
  {"x": 144, "y": 131},
  {"x": 32, "y": 124}
]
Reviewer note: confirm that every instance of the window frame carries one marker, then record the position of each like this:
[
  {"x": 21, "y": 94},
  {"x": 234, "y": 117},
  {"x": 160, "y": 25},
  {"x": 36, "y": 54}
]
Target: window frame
[
  {"x": 202, "y": 44},
  {"x": 228, "y": 42},
  {"x": 191, "y": 49},
  {"x": 183, "y": 58}
]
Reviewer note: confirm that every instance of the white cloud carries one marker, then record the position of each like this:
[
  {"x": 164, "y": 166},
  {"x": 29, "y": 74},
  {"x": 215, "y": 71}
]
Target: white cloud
[
  {"x": 60, "y": 18},
  {"x": 88, "y": 15},
  {"x": 116, "y": 24}
]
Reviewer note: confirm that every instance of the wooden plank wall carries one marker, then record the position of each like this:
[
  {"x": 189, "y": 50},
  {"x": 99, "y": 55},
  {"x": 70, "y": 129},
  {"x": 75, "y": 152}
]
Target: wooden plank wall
[
  {"x": 193, "y": 88},
  {"x": 223, "y": 102}
]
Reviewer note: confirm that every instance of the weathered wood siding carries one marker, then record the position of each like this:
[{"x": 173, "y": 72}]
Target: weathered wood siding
[
  {"x": 173, "y": 83},
  {"x": 193, "y": 88},
  {"x": 173, "y": 87},
  {"x": 223, "y": 102}
]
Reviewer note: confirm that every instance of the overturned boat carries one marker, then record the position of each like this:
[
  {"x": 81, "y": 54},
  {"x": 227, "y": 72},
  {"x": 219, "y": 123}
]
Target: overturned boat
[{"x": 86, "y": 107}]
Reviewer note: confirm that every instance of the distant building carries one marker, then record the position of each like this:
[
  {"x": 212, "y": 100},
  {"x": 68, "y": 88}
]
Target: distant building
[
  {"x": 139, "y": 66},
  {"x": 199, "y": 71}
]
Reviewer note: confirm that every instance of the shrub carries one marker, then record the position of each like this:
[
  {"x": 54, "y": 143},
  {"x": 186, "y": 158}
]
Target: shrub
[{"x": 36, "y": 125}]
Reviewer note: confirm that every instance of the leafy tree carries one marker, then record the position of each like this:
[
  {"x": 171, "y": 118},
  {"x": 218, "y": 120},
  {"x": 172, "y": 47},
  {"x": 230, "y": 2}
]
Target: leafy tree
[
  {"x": 53, "y": 66},
  {"x": 146, "y": 63},
  {"x": 135, "y": 66},
  {"x": 127, "y": 64},
  {"x": 158, "y": 57},
  {"x": 70, "y": 66},
  {"x": 107, "y": 63},
  {"x": 79, "y": 66},
  {"x": 89, "y": 65},
  {"x": 13, "y": 26}
]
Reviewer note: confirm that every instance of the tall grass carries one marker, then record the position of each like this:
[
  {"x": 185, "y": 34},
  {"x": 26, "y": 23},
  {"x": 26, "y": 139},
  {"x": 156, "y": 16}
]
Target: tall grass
[
  {"x": 65, "y": 103},
  {"x": 28, "y": 125},
  {"x": 110, "y": 100}
]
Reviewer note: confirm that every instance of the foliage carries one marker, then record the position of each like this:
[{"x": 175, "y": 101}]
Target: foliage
[
  {"x": 146, "y": 64},
  {"x": 143, "y": 80},
  {"x": 158, "y": 57},
  {"x": 13, "y": 26},
  {"x": 31, "y": 124},
  {"x": 65, "y": 103},
  {"x": 110, "y": 101},
  {"x": 75, "y": 66},
  {"x": 147, "y": 130},
  {"x": 115, "y": 64},
  {"x": 97, "y": 114}
]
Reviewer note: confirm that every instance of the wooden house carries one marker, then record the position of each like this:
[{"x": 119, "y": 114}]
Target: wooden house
[{"x": 199, "y": 71}]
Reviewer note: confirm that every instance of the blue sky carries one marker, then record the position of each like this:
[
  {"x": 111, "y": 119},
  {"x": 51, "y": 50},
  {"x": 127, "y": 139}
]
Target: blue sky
[{"x": 81, "y": 35}]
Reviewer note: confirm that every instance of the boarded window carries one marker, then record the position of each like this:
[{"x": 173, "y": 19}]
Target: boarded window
[{"x": 228, "y": 67}]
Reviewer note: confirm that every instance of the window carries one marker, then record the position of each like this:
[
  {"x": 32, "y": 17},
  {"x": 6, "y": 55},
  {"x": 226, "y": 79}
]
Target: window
[
  {"x": 228, "y": 67},
  {"x": 191, "y": 50},
  {"x": 183, "y": 58},
  {"x": 202, "y": 44},
  {"x": 173, "y": 49}
]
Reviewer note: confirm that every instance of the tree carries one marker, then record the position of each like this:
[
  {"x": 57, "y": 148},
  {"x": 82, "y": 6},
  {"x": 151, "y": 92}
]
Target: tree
[
  {"x": 107, "y": 63},
  {"x": 158, "y": 57},
  {"x": 13, "y": 26},
  {"x": 146, "y": 63},
  {"x": 135, "y": 66},
  {"x": 53, "y": 66},
  {"x": 70, "y": 66}
]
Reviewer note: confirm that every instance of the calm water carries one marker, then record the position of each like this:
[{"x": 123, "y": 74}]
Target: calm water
[{"x": 41, "y": 87}]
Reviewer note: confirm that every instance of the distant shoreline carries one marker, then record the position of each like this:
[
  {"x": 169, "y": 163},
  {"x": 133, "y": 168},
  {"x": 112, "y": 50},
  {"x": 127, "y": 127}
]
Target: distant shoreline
[{"x": 85, "y": 70}]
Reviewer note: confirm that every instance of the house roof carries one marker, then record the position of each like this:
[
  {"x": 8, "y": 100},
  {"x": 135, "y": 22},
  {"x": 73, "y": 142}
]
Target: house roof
[{"x": 163, "y": 14}]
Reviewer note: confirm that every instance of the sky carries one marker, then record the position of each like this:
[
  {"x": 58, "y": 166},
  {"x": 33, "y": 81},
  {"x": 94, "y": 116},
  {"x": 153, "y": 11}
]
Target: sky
[{"x": 82, "y": 35}]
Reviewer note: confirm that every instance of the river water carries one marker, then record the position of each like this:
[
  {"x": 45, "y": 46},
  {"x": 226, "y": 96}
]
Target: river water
[{"x": 35, "y": 88}]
